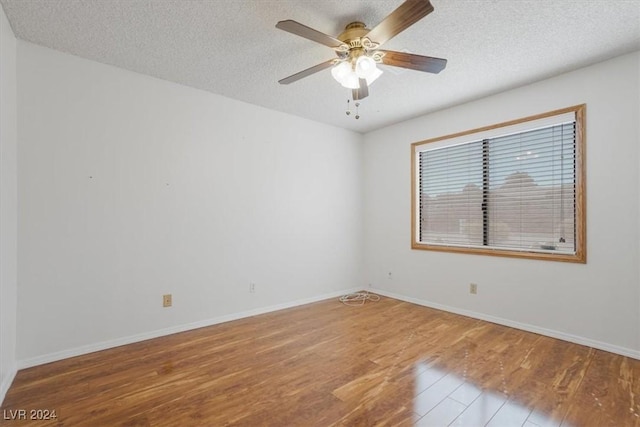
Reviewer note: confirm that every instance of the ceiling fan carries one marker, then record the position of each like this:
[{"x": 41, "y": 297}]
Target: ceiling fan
[{"x": 358, "y": 49}]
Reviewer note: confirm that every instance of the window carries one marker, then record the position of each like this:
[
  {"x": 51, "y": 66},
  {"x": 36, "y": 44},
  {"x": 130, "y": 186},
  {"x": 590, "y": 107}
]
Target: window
[{"x": 513, "y": 189}]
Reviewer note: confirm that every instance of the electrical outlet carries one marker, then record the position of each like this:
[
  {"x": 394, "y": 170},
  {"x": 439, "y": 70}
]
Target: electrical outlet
[
  {"x": 389, "y": 276},
  {"x": 166, "y": 300},
  {"x": 473, "y": 288},
  {"x": 252, "y": 288}
]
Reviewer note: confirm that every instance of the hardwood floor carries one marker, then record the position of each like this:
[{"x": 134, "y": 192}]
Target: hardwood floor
[{"x": 385, "y": 363}]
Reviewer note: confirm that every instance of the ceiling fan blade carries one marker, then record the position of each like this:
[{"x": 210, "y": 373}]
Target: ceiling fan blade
[
  {"x": 304, "y": 73},
  {"x": 413, "y": 62},
  {"x": 407, "y": 14},
  {"x": 361, "y": 92},
  {"x": 308, "y": 33}
]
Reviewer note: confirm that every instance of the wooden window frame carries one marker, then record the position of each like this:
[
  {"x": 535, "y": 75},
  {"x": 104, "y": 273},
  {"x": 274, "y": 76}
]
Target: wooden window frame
[{"x": 580, "y": 255}]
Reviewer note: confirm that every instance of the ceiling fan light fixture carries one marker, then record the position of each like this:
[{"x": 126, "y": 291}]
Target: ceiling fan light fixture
[
  {"x": 343, "y": 73},
  {"x": 365, "y": 67},
  {"x": 340, "y": 71},
  {"x": 351, "y": 80}
]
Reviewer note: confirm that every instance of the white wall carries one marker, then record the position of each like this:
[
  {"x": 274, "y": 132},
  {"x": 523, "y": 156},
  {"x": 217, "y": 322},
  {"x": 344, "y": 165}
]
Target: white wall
[
  {"x": 8, "y": 205},
  {"x": 597, "y": 303},
  {"x": 132, "y": 187}
]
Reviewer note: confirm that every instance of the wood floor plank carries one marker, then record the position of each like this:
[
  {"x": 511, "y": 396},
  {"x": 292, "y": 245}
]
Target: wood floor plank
[
  {"x": 608, "y": 393},
  {"x": 326, "y": 364}
]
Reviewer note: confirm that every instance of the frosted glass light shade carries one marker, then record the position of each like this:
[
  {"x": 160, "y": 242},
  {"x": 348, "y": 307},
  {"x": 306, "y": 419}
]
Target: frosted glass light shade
[
  {"x": 344, "y": 74},
  {"x": 340, "y": 71},
  {"x": 351, "y": 81},
  {"x": 365, "y": 67}
]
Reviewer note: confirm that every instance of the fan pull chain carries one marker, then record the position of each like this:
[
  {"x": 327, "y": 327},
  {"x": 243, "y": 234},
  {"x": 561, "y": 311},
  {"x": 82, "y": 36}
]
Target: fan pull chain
[{"x": 348, "y": 112}]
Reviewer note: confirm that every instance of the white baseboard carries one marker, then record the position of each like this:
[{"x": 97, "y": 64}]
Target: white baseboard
[
  {"x": 517, "y": 325},
  {"x": 104, "y": 345},
  {"x": 6, "y": 383}
]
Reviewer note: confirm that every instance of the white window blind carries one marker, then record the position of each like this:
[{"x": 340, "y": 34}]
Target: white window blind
[
  {"x": 451, "y": 195},
  {"x": 513, "y": 192}
]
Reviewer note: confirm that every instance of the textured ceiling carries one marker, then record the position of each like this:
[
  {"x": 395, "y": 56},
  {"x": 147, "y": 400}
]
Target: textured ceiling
[{"x": 232, "y": 48}]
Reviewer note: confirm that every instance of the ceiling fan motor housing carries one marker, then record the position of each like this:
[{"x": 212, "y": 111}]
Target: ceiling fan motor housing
[
  {"x": 352, "y": 34},
  {"x": 356, "y": 44}
]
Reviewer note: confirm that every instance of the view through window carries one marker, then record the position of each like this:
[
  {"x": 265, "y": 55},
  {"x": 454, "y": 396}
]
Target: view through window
[{"x": 514, "y": 189}]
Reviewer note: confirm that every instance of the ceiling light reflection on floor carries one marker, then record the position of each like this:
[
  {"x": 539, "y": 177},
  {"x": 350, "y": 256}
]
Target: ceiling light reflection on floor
[{"x": 443, "y": 398}]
